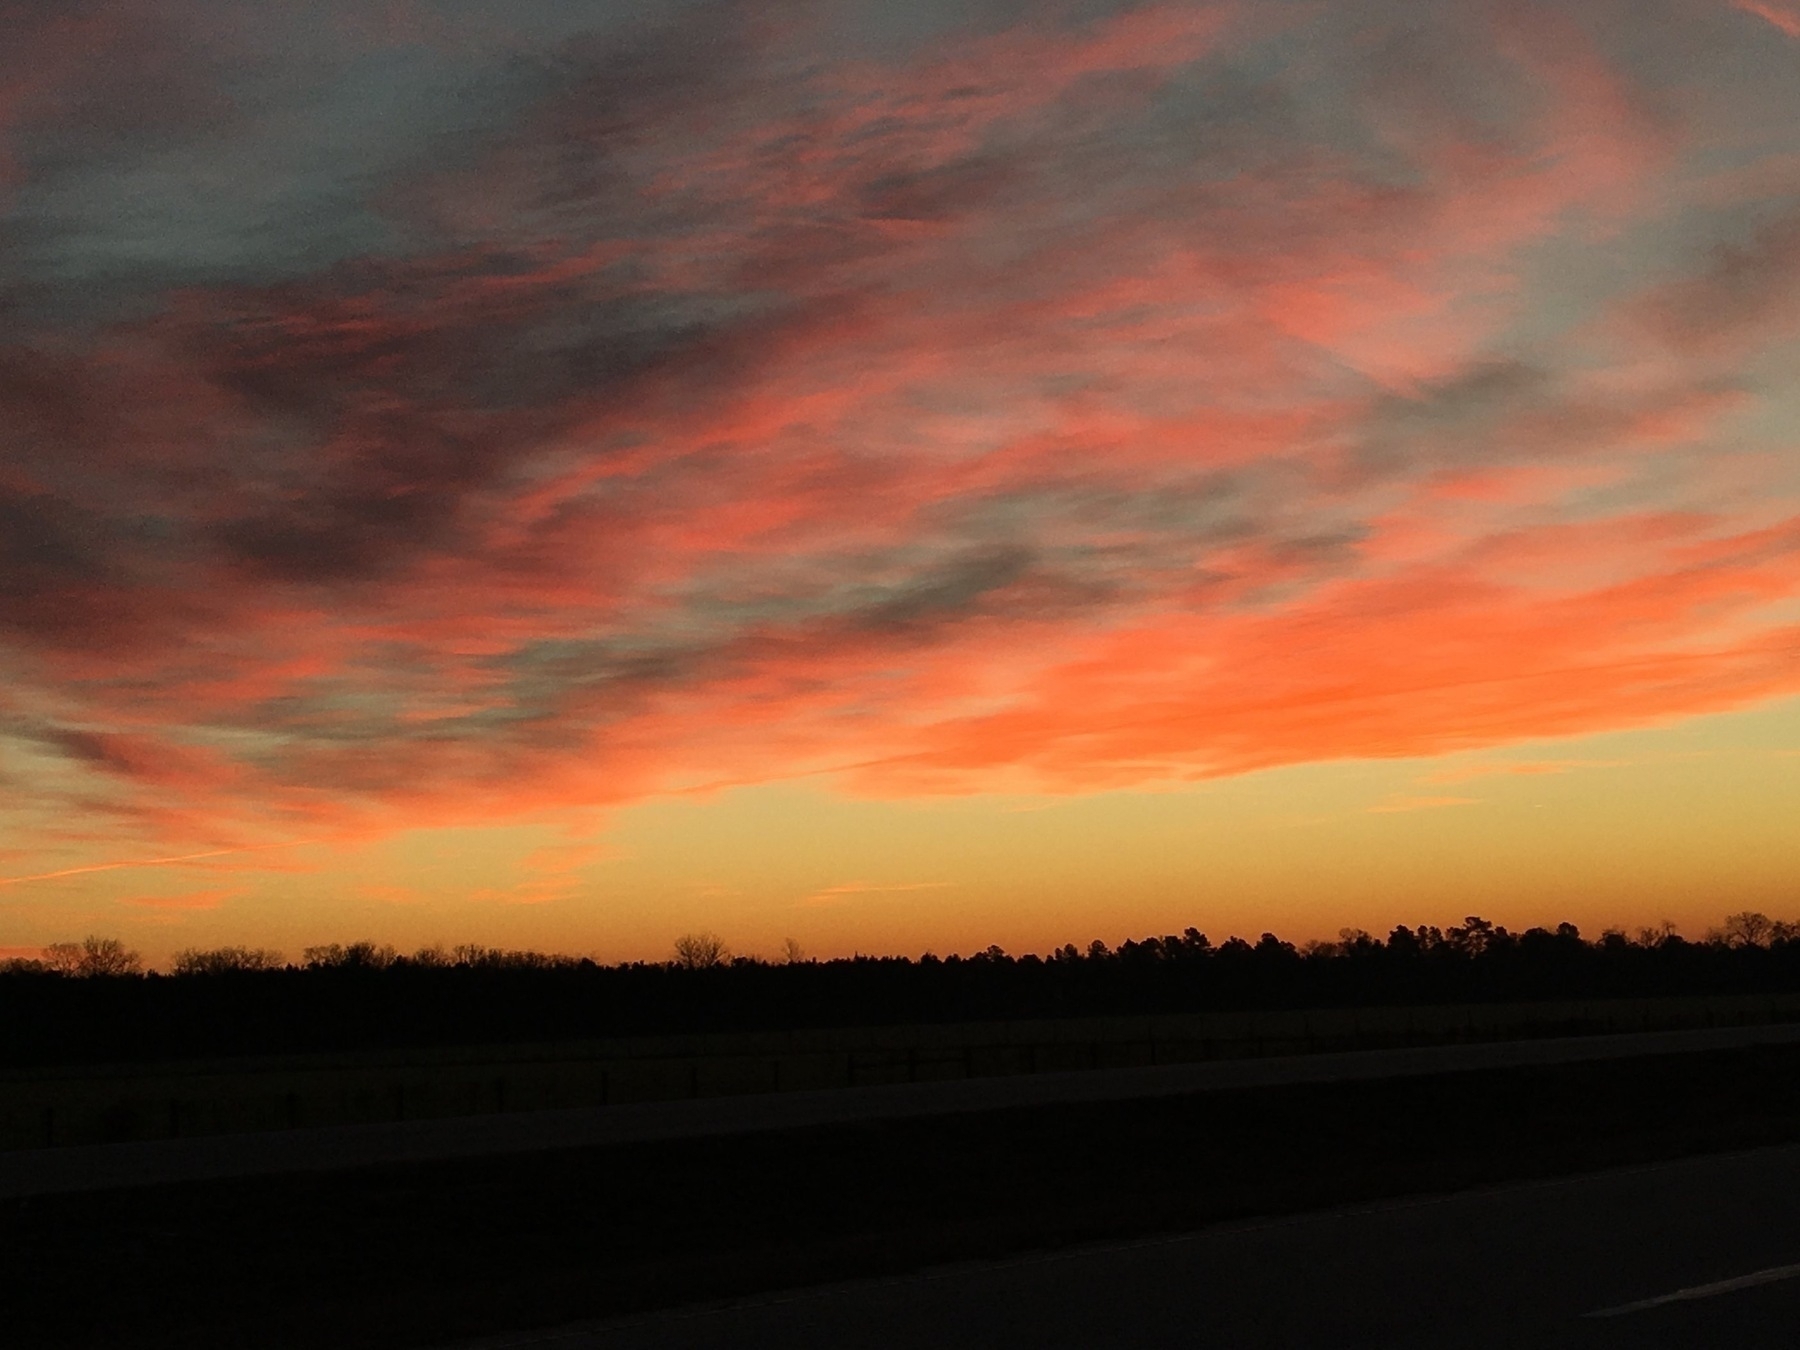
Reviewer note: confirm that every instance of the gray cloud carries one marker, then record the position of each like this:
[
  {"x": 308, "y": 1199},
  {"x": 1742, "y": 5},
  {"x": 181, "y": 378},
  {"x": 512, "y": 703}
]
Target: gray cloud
[{"x": 548, "y": 367}]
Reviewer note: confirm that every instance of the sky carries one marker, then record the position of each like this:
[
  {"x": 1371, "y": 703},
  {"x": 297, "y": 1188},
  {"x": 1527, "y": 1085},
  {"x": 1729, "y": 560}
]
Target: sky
[{"x": 896, "y": 477}]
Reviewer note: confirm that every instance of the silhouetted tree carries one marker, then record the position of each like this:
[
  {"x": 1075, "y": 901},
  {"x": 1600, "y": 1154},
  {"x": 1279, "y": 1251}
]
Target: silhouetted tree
[
  {"x": 1747, "y": 929},
  {"x": 700, "y": 951},
  {"x": 93, "y": 956},
  {"x": 353, "y": 956},
  {"x": 220, "y": 960},
  {"x": 363, "y": 995}
]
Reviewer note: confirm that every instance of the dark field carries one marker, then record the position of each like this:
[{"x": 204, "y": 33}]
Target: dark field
[
  {"x": 412, "y": 1256},
  {"x": 93, "y": 1104}
]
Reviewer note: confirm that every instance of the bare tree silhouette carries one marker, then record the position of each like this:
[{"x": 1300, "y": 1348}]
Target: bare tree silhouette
[
  {"x": 699, "y": 951},
  {"x": 218, "y": 960},
  {"x": 1747, "y": 928},
  {"x": 93, "y": 956},
  {"x": 356, "y": 956}
]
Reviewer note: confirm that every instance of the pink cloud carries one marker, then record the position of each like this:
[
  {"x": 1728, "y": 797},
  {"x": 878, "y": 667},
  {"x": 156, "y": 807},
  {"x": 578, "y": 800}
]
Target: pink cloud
[
  {"x": 1780, "y": 16},
  {"x": 1015, "y": 410}
]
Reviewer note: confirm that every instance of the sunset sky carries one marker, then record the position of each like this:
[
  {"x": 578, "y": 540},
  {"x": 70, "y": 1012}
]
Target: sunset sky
[{"x": 896, "y": 476}]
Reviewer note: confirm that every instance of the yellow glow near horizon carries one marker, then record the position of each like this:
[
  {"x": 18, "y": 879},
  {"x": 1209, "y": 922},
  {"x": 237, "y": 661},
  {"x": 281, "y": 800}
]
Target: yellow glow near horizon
[{"x": 1685, "y": 823}]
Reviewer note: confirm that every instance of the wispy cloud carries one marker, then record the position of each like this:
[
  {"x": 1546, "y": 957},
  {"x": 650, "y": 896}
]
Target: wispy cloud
[
  {"x": 829, "y": 896},
  {"x": 1405, "y": 803},
  {"x": 551, "y": 873},
  {"x": 1521, "y": 769},
  {"x": 1783, "y": 17},
  {"x": 175, "y": 861},
  {"x": 978, "y": 404}
]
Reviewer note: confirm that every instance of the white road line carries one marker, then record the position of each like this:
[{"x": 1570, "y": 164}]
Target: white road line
[{"x": 1769, "y": 1276}]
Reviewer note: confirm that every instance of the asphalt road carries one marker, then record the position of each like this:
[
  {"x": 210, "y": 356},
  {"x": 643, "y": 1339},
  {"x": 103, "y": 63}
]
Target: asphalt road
[
  {"x": 50, "y": 1171},
  {"x": 1699, "y": 1253}
]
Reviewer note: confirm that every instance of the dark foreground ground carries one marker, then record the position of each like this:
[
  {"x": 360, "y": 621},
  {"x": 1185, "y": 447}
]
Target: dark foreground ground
[
  {"x": 431, "y": 1253},
  {"x": 1696, "y": 1255},
  {"x": 339, "y": 1148}
]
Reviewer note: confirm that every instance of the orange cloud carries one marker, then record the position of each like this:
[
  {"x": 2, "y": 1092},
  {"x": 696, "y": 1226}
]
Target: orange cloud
[
  {"x": 1781, "y": 17},
  {"x": 831, "y": 896},
  {"x": 1049, "y": 405},
  {"x": 552, "y": 873}
]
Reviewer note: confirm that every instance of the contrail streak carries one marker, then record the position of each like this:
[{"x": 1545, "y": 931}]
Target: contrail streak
[{"x": 150, "y": 862}]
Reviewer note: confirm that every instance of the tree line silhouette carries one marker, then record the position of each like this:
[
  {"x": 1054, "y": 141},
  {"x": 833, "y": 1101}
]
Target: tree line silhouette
[{"x": 93, "y": 1000}]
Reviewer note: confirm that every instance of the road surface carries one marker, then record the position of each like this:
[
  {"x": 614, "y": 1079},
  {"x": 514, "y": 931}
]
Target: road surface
[
  {"x": 1698, "y": 1253},
  {"x": 50, "y": 1171}
]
